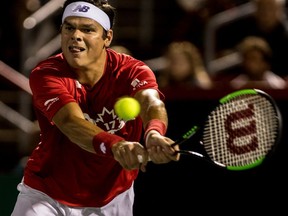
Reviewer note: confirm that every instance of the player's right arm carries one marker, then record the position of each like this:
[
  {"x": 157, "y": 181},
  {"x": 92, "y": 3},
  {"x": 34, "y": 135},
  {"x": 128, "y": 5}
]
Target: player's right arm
[{"x": 71, "y": 121}]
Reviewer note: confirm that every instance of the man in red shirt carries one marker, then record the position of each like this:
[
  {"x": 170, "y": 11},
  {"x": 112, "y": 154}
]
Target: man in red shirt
[{"x": 87, "y": 159}]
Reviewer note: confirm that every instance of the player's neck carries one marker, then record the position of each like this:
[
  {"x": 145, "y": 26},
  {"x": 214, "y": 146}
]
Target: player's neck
[
  {"x": 90, "y": 76},
  {"x": 92, "y": 73}
]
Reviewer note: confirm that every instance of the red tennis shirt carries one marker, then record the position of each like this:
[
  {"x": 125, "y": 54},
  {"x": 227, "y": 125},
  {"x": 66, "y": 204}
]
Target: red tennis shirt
[{"x": 60, "y": 168}]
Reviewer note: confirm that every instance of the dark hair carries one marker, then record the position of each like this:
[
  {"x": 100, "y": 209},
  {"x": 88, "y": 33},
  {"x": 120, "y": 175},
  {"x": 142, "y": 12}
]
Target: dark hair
[{"x": 101, "y": 4}]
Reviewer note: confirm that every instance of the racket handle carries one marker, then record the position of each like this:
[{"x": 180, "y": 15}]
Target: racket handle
[{"x": 186, "y": 136}]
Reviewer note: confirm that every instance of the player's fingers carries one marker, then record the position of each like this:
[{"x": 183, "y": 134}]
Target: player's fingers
[
  {"x": 122, "y": 158},
  {"x": 143, "y": 159},
  {"x": 158, "y": 155},
  {"x": 130, "y": 156},
  {"x": 175, "y": 156}
]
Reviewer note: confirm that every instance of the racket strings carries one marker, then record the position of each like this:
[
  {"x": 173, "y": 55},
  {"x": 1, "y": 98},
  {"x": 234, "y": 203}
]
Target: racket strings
[{"x": 241, "y": 131}]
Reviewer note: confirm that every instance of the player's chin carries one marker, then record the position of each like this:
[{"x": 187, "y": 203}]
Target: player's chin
[
  {"x": 76, "y": 56},
  {"x": 75, "y": 61}
]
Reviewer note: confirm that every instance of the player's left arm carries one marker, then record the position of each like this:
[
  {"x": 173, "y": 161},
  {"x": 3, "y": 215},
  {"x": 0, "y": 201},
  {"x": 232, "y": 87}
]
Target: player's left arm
[{"x": 155, "y": 123}]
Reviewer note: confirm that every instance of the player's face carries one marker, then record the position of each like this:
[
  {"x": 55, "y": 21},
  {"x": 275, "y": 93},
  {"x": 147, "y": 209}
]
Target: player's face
[{"x": 82, "y": 42}]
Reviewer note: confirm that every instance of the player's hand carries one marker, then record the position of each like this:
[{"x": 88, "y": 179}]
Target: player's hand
[
  {"x": 128, "y": 153},
  {"x": 159, "y": 148}
]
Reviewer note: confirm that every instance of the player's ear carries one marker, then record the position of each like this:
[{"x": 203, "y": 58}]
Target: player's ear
[{"x": 109, "y": 37}]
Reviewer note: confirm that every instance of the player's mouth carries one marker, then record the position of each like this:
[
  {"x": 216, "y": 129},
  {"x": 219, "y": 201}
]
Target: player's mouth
[{"x": 76, "y": 49}]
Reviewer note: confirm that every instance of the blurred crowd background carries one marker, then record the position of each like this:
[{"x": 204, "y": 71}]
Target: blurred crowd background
[{"x": 198, "y": 49}]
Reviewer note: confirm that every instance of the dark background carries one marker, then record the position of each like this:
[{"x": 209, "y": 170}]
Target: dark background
[{"x": 187, "y": 187}]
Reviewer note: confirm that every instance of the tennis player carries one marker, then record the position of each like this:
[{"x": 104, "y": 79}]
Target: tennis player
[{"x": 87, "y": 159}]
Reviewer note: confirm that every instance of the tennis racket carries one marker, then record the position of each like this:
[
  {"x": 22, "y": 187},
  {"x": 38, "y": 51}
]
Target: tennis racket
[{"x": 239, "y": 133}]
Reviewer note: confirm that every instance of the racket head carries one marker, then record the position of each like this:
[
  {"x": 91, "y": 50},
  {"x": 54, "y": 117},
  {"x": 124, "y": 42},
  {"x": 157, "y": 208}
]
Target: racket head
[{"x": 243, "y": 130}]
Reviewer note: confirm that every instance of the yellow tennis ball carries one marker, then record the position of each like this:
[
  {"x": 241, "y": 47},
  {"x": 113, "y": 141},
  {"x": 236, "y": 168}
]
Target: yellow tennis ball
[{"x": 127, "y": 108}]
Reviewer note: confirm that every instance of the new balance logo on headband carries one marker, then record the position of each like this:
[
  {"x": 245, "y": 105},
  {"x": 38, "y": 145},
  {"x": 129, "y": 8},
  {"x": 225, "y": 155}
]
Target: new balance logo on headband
[
  {"x": 85, "y": 9},
  {"x": 81, "y": 8}
]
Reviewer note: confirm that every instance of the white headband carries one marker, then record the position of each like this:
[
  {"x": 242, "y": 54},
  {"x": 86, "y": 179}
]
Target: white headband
[{"x": 85, "y": 9}]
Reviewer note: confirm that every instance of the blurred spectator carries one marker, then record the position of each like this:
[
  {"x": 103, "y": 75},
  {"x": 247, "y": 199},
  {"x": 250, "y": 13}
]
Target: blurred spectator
[
  {"x": 191, "y": 22},
  {"x": 184, "y": 67},
  {"x": 269, "y": 22},
  {"x": 255, "y": 69}
]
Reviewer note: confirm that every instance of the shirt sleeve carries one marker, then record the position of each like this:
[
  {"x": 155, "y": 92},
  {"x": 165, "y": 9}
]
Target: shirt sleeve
[
  {"x": 49, "y": 90},
  {"x": 142, "y": 77}
]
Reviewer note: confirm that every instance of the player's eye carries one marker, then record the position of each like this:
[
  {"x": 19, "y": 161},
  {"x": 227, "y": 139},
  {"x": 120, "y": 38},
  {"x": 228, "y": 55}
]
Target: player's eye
[
  {"x": 87, "y": 30},
  {"x": 69, "y": 28}
]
